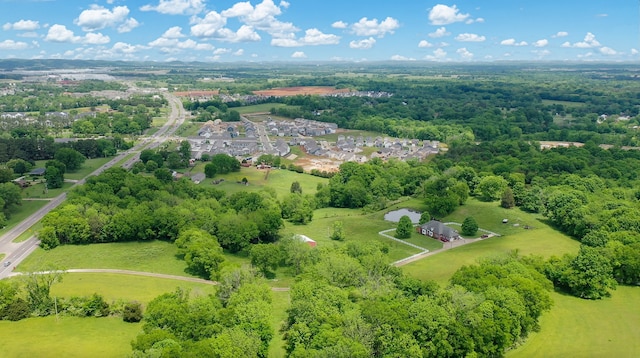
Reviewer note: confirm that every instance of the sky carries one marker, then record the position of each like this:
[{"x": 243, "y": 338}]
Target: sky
[{"x": 322, "y": 30}]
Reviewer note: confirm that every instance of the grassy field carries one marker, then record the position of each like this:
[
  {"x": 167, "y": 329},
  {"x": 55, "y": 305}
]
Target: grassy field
[
  {"x": 126, "y": 287},
  {"x": 281, "y": 301},
  {"x": 29, "y": 232},
  {"x": 360, "y": 226},
  {"x": 278, "y": 179},
  {"x": 27, "y": 208},
  {"x": 156, "y": 256},
  {"x": 581, "y": 328},
  {"x": 37, "y": 191},
  {"x": 540, "y": 240},
  {"x": 258, "y": 108},
  {"x": 68, "y": 337}
]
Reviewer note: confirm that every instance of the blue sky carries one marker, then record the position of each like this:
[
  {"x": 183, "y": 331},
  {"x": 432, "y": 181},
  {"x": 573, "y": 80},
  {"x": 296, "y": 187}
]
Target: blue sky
[{"x": 321, "y": 30}]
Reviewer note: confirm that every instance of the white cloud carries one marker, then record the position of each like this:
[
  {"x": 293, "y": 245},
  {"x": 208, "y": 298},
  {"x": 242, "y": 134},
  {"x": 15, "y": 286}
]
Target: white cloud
[
  {"x": 176, "y": 7},
  {"x": 209, "y": 25},
  {"x": 366, "y": 27},
  {"x": 471, "y": 21},
  {"x": 438, "y": 55},
  {"x": 424, "y": 43},
  {"x": 98, "y": 17},
  {"x": 444, "y": 15},
  {"x": 298, "y": 54},
  {"x": 240, "y": 52},
  {"x": 401, "y": 58},
  {"x": 602, "y": 15},
  {"x": 28, "y": 34},
  {"x": 464, "y": 53},
  {"x": 466, "y": 37},
  {"x": 244, "y": 34},
  {"x": 284, "y": 4},
  {"x": 221, "y": 51},
  {"x": 634, "y": 51},
  {"x": 440, "y": 32},
  {"x": 174, "y": 32},
  {"x": 262, "y": 17},
  {"x": 512, "y": 42},
  {"x": 312, "y": 37},
  {"x": 128, "y": 25},
  {"x": 13, "y": 45},
  {"x": 541, "y": 43},
  {"x": 22, "y": 25},
  {"x": 339, "y": 25},
  {"x": 363, "y": 44},
  {"x": 125, "y": 48},
  {"x": 589, "y": 41},
  {"x": 541, "y": 53},
  {"x": 608, "y": 51},
  {"x": 60, "y": 33},
  {"x": 96, "y": 39},
  {"x": 560, "y": 34}
]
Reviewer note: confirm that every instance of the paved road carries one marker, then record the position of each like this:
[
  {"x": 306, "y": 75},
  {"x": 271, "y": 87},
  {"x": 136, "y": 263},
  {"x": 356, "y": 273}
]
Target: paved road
[{"x": 16, "y": 252}]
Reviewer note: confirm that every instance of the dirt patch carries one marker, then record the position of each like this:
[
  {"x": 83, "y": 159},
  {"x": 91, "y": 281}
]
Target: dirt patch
[
  {"x": 300, "y": 90},
  {"x": 321, "y": 164}
]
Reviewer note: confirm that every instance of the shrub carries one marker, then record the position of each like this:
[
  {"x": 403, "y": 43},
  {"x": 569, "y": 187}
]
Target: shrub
[{"x": 132, "y": 312}]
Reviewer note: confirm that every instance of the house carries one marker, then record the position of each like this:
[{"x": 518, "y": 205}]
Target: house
[
  {"x": 37, "y": 171},
  {"x": 438, "y": 230},
  {"x": 306, "y": 239}
]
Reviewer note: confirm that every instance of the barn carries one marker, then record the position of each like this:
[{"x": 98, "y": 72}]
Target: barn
[{"x": 307, "y": 239}]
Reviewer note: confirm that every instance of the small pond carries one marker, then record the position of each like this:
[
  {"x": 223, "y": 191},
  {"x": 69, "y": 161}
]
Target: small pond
[{"x": 395, "y": 215}]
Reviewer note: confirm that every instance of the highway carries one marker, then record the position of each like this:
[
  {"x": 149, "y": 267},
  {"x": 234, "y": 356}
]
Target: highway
[{"x": 16, "y": 252}]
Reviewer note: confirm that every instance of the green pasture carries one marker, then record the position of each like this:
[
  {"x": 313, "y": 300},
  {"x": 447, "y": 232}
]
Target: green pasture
[
  {"x": 67, "y": 337},
  {"x": 582, "y": 328},
  {"x": 258, "y": 108},
  {"x": 27, "y": 208},
  {"x": 277, "y": 179},
  {"x": 155, "y": 256},
  {"x": 113, "y": 286}
]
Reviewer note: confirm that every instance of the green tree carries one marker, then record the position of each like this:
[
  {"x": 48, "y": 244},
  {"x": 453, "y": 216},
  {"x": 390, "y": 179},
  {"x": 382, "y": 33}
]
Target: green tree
[
  {"x": 235, "y": 232},
  {"x": 70, "y": 157},
  {"x": 295, "y": 188},
  {"x": 210, "y": 170},
  {"x": 6, "y": 174},
  {"x": 265, "y": 257},
  {"x": 491, "y": 187},
  {"x": 201, "y": 251},
  {"x": 405, "y": 228},
  {"x": 469, "y": 226},
  {"x": 507, "y": 201},
  {"x": 338, "y": 231},
  {"x": 425, "y": 217},
  {"x": 11, "y": 197},
  {"x": 38, "y": 287},
  {"x": 163, "y": 174}
]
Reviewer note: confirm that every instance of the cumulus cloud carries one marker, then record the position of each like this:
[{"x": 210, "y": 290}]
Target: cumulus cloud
[
  {"x": 634, "y": 51},
  {"x": 366, "y": 27},
  {"x": 240, "y": 52},
  {"x": 312, "y": 37},
  {"x": 424, "y": 43},
  {"x": 401, "y": 58},
  {"x": 363, "y": 44},
  {"x": 13, "y": 45},
  {"x": 174, "y": 32},
  {"x": 589, "y": 41},
  {"x": 98, "y": 17},
  {"x": 438, "y": 55},
  {"x": 60, "y": 33},
  {"x": 608, "y": 51},
  {"x": 541, "y": 43},
  {"x": 339, "y": 25},
  {"x": 560, "y": 34},
  {"x": 176, "y": 7},
  {"x": 221, "y": 51},
  {"x": 464, "y": 53},
  {"x": 298, "y": 54},
  {"x": 444, "y": 15},
  {"x": 440, "y": 32},
  {"x": 128, "y": 25},
  {"x": 466, "y": 37},
  {"x": 262, "y": 17},
  {"x": 513, "y": 42},
  {"x": 96, "y": 39},
  {"x": 22, "y": 25},
  {"x": 125, "y": 48}
]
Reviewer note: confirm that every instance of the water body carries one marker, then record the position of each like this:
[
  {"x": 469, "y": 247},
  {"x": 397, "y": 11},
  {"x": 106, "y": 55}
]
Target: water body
[{"x": 394, "y": 216}]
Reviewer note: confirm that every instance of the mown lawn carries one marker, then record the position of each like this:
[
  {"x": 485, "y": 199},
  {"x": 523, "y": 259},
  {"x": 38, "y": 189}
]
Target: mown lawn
[
  {"x": 281, "y": 301},
  {"x": 88, "y": 167},
  {"x": 582, "y": 328},
  {"x": 155, "y": 256},
  {"x": 68, "y": 337},
  {"x": 22, "y": 212},
  {"x": 37, "y": 191}
]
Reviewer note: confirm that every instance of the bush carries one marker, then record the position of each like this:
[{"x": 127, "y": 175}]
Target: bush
[
  {"x": 132, "y": 312},
  {"x": 405, "y": 228},
  {"x": 16, "y": 310},
  {"x": 469, "y": 226}
]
